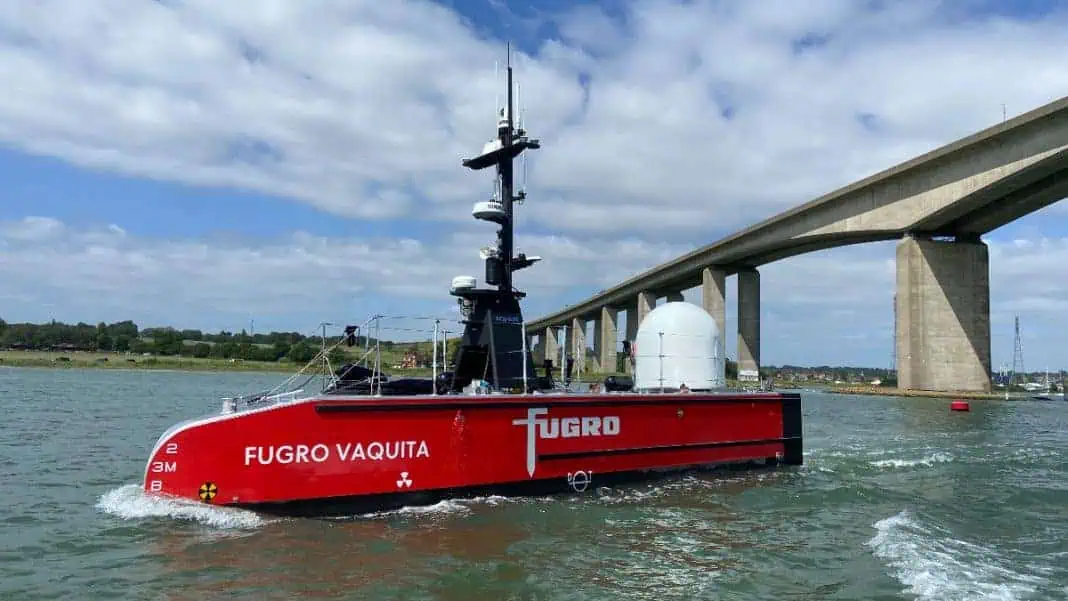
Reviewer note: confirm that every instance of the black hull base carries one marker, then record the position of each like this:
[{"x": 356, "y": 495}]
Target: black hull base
[{"x": 361, "y": 505}]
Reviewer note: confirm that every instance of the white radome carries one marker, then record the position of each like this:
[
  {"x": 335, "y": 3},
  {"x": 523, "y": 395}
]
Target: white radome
[
  {"x": 489, "y": 210},
  {"x": 463, "y": 282},
  {"x": 691, "y": 345}
]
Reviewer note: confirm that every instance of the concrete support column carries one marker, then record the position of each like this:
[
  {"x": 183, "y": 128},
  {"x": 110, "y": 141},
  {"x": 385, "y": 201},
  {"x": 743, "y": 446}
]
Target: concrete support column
[
  {"x": 748, "y": 323},
  {"x": 714, "y": 300},
  {"x": 632, "y": 332},
  {"x": 550, "y": 344},
  {"x": 578, "y": 344},
  {"x": 596, "y": 363},
  {"x": 675, "y": 297},
  {"x": 569, "y": 346},
  {"x": 604, "y": 341},
  {"x": 943, "y": 315},
  {"x": 646, "y": 303},
  {"x": 537, "y": 350}
]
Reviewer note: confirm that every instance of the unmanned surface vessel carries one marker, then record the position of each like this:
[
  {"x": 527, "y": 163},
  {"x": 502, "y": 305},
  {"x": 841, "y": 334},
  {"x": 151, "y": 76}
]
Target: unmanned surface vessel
[{"x": 489, "y": 424}]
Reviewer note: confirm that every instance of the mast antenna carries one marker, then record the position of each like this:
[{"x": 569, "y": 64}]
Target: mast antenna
[
  {"x": 1017, "y": 353},
  {"x": 492, "y": 316},
  {"x": 522, "y": 193}
]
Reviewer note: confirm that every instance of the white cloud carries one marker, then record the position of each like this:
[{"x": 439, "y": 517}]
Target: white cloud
[
  {"x": 365, "y": 108},
  {"x": 32, "y": 229},
  {"x": 662, "y": 130},
  {"x": 297, "y": 277},
  {"x": 832, "y": 307}
]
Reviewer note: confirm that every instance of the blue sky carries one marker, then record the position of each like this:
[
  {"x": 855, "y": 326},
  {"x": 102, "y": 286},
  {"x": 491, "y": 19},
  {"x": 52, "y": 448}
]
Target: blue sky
[{"x": 202, "y": 164}]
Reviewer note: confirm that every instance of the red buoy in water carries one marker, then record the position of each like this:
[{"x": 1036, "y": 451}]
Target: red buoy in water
[{"x": 959, "y": 406}]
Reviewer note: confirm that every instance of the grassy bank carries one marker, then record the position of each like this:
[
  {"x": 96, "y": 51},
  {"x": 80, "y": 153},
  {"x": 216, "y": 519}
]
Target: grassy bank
[
  {"x": 112, "y": 360},
  {"x": 934, "y": 394},
  {"x": 103, "y": 360}
]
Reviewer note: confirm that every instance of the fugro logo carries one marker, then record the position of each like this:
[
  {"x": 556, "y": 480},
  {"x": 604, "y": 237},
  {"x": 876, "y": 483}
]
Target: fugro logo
[{"x": 568, "y": 427}]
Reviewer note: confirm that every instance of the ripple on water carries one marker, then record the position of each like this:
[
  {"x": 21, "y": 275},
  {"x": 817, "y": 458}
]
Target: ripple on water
[{"x": 777, "y": 534}]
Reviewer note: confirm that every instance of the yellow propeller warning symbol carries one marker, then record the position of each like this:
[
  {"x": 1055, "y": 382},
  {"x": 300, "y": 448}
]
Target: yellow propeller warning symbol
[{"x": 208, "y": 490}]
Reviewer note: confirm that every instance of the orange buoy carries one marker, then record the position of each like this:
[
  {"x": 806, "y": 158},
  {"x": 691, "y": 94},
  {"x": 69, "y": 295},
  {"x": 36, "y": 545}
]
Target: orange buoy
[{"x": 959, "y": 405}]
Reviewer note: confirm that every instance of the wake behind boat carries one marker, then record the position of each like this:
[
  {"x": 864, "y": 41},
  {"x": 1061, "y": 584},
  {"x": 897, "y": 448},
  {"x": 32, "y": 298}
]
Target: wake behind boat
[{"x": 489, "y": 424}]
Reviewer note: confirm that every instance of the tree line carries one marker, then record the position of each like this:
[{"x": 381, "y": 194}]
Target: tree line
[{"x": 126, "y": 336}]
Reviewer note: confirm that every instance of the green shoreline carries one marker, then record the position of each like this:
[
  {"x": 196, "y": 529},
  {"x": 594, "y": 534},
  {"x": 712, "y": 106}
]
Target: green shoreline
[
  {"x": 286, "y": 367},
  {"x": 932, "y": 394},
  {"x": 119, "y": 362},
  {"x": 158, "y": 365}
]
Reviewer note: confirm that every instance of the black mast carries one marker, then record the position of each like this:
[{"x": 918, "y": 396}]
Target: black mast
[
  {"x": 504, "y": 171},
  {"x": 492, "y": 346}
]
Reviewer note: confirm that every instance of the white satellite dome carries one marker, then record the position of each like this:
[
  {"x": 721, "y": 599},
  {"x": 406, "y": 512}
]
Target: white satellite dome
[
  {"x": 463, "y": 282},
  {"x": 690, "y": 351}
]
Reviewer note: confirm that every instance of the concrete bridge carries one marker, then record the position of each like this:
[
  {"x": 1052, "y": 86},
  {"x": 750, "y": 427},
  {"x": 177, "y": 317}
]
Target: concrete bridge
[{"x": 938, "y": 204}]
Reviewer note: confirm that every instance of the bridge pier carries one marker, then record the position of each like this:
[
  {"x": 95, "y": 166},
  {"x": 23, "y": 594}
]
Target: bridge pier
[
  {"x": 604, "y": 339},
  {"x": 632, "y": 333},
  {"x": 646, "y": 303},
  {"x": 714, "y": 300},
  {"x": 550, "y": 345},
  {"x": 569, "y": 345},
  {"x": 943, "y": 315},
  {"x": 643, "y": 305},
  {"x": 748, "y": 324},
  {"x": 578, "y": 344}
]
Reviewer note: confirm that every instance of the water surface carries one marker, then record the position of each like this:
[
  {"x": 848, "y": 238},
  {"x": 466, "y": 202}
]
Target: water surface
[{"x": 898, "y": 499}]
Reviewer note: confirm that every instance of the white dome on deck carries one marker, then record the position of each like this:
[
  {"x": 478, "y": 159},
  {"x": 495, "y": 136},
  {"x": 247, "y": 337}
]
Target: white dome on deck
[{"x": 691, "y": 348}]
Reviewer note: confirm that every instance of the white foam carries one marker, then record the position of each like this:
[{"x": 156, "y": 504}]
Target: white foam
[
  {"x": 933, "y": 565},
  {"x": 459, "y": 505},
  {"x": 130, "y": 502},
  {"x": 494, "y": 500},
  {"x": 1032, "y": 453},
  {"x": 491, "y": 500},
  {"x": 643, "y": 493},
  {"x": 927, "y": 461},
  {"x": 448, "y": 506}
]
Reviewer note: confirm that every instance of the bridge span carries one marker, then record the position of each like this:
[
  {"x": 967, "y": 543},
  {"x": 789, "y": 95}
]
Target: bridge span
[{"x": 937, "y": 204}]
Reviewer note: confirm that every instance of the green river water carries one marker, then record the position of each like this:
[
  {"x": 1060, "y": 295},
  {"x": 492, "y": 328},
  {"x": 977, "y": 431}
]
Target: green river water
[{"x": 898, "y": 499}]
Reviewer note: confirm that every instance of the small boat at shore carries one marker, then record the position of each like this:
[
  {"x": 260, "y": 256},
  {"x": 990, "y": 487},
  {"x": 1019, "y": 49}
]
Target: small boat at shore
[{"x": 489, "y": 423}]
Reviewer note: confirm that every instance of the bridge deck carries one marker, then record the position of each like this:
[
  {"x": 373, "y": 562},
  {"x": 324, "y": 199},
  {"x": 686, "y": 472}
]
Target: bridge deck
[{"x": 1024, "y": 158}]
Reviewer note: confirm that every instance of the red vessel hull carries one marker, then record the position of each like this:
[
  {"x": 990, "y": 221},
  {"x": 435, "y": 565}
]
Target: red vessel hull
[{"x": 341, "y": 455}]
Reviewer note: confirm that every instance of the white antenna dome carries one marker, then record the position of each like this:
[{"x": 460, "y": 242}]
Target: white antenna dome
[
  {"x": 463, "y": 282},
  {"x": 678, "y": 343},
  {"x": 489, "y": 210}
]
